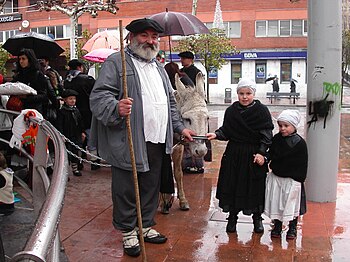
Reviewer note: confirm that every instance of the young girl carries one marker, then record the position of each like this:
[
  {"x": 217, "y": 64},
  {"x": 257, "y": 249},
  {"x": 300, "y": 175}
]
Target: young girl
[
  {"x": 248, "y": 128},
  {"x": 285, "y": 194}
]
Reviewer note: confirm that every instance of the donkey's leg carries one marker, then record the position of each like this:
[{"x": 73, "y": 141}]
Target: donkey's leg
[
  {"x": 177, "y": 159},
  {"x": 166, "y": 201}
]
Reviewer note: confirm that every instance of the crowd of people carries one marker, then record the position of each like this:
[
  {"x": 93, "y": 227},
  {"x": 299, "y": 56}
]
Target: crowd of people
[{"x": 260, "y": 172}]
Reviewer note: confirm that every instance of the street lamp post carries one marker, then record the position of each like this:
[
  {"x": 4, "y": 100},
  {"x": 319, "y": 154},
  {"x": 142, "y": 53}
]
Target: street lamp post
[{"x": 74, "y": 11}]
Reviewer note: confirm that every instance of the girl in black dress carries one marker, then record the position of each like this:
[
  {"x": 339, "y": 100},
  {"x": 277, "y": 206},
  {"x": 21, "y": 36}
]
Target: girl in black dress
[{"x": 248, "y": 129}]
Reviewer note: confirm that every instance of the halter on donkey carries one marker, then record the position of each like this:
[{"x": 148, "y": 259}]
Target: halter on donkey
[{"x": 193, "y": 110}]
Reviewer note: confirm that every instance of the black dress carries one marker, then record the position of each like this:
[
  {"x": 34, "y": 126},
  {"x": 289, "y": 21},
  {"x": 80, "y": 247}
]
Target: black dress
[{"x": 241, "y": 184}]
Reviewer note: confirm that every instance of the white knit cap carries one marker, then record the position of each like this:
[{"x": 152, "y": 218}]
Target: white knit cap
[
  {"x": 291, "y": 116},
  {"x": 247, "y": 83}
]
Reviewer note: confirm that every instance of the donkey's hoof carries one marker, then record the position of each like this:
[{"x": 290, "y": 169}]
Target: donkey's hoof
[
  {"x": 164, "y": 209},
  {"x": 184, "y": 206}
]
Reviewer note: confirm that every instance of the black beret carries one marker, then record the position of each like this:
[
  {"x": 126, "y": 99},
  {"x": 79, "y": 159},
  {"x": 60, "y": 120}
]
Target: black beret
[
  {"x": 186, "y": 54},
  {"x": 140, "y": 25},
  {"x": 74, "y": 63},
  {"x": 69, "y": 92}
]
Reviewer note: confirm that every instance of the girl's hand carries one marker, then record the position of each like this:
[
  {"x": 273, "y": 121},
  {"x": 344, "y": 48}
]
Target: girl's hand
[
  {"x": 259, "y": 159},
  {"x": 210, "y": 136},
  {"x": 83, "y": 136}
]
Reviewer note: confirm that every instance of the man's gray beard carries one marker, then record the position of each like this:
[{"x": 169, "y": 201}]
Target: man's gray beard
[{"x": 146, "y": 53}]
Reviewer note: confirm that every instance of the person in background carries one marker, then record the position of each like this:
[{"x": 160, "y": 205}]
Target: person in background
[
  {"x": 5, "y": 127},
  {"x": 28, "y": 72},
  {"x": 154, "y": 118},
  {"x": 189, "y": 68},
  {"x": 70, "y": 124},
  {"x": 292, "y": 86},
  {"x": 285, "y": 194},
  {"x": 172, "y": 69},
  {"x": 248, "y": 129},
  {"x": 55, "y": 78},
  {"x": 7, "y": 200},
  {"x": 275, "y": 85},
  {"x": 82, "y": 83}
]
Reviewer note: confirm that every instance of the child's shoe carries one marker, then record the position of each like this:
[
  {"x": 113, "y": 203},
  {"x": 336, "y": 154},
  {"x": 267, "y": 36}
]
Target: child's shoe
[{"x": 277, "y": 230}]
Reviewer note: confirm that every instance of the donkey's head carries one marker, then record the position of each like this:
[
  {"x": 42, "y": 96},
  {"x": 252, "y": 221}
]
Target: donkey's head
[{"x": 193, "y": 109}]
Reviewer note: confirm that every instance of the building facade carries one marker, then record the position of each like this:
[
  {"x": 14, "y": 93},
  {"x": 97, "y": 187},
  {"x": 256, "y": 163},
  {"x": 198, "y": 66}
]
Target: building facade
[{"x": 270, "y": 35}]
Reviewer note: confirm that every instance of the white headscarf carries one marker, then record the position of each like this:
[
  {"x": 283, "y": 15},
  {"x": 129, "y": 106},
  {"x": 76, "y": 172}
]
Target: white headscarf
[
  {"x": 291, "y": 116},
  {"x": 247, "y": 83}
]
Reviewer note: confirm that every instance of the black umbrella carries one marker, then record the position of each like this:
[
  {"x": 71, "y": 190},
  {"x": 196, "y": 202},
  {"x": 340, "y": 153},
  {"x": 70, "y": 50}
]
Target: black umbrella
[
  {"x": 270, "y": 78},
  {"x": 42, "y": 45},
  {"x": 175, "y": 23}
]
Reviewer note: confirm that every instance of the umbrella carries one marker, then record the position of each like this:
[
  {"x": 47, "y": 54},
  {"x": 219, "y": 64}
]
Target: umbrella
[
  {"x": 99, "y": 55},
  {"x": 175, "y": 23},
  {"x": 270, "y": 78},
  {"x": 294, "y": 80},
  {"x": 105, "y": 39},
  {"x": 42, "y": 45}
]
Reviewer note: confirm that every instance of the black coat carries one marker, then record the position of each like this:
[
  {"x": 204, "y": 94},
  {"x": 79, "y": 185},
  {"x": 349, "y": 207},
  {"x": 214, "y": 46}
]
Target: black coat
[
  {"x": 82, "y": 84},
  {"x": 69, "y": 123},
  {"x": 38, "y": 81},
  {"x": 289, "y": 157},
  {"x": 191, "y": 71},
  {"x": 241, "y": 183}
]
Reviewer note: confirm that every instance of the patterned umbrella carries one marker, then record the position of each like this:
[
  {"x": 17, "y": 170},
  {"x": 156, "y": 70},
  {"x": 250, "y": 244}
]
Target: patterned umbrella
[{"x": 105, "y": 39}]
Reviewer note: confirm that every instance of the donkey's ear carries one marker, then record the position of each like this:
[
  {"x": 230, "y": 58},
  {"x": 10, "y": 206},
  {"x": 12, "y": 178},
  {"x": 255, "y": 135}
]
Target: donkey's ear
[
  {"x": 200, "y": 84},
  {"x": 179, "y": 85}
]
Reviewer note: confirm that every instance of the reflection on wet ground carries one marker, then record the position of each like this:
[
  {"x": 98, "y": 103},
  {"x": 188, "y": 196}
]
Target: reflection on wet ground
[{"x": 199, "y": 234}]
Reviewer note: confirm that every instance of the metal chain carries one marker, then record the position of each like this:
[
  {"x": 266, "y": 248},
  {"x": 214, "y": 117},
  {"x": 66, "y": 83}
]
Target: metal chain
[{"x": 80, "y": 149}]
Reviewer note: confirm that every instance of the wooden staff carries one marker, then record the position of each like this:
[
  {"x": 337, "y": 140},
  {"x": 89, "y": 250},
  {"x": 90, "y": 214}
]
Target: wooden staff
[{"x": 131, "y": 147}]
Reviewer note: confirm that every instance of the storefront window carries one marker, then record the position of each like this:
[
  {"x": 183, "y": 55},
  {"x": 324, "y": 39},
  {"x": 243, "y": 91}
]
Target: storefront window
[
  {"x": 260, "y": 72},
  {"x": 286, "y": 71},
  {"x": 236, "y": 71}
]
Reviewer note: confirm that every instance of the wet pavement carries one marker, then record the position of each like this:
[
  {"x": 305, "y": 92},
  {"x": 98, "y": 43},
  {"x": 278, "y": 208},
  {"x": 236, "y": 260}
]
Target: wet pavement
[{"x": 199, "y": 234}]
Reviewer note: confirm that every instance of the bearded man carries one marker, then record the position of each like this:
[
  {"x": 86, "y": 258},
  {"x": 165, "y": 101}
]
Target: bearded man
[{"x": 153, "y": 116}]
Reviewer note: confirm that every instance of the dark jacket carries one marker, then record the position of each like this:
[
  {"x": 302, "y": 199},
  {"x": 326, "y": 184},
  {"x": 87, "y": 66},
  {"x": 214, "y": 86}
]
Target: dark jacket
[
  {"x": 191, "y": 71},
  {"x": 289, "y": 157},
  {"x": 38, "y": 81},
  {"x": 69, "y": 123},
  {"x": 82, "y": 84}
]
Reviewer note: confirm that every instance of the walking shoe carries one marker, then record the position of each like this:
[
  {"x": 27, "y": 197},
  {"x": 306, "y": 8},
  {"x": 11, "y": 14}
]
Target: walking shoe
[
  {"x": 97, "y": 166},
  {"x": 277, "y": 229},
  {"x": 292, "y": 231},
  {"x": 231, "y": 224},
  {"x": 258, "y": 225},
  {"x": 77, "y": 173},
  {"x": 152, "y": 236},
  {"x": 131, "y": 243}
]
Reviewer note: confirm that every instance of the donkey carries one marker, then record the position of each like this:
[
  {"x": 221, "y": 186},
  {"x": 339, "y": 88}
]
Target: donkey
[{"x": 192, "y": 107}]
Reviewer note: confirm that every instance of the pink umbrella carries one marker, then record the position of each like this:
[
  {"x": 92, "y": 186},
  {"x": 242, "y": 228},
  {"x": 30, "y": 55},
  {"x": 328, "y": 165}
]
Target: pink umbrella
[
  {"x": 105, "y": 39},
  {"x": 99, "y": 55}
]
